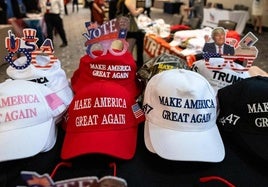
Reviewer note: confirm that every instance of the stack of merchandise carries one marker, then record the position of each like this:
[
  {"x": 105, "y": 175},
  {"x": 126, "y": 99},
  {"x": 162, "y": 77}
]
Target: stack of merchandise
[
  {"x": 224, "y": 70},
  {"x": 223, "y": 96},
  {"x": 33, "y": 100}
]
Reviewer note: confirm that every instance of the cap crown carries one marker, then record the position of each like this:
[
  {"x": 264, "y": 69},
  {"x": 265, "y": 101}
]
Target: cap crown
[{"x": 181, "y": 100}]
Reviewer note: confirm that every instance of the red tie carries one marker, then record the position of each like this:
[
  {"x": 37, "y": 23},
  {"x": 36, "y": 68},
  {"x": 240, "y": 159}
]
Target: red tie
[
  {"x": 48, "y": 4},
  {"x": 220, "y": 51}
]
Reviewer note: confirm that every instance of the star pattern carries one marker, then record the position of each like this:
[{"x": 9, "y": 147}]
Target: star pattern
[{"x": 9, "y": 59}]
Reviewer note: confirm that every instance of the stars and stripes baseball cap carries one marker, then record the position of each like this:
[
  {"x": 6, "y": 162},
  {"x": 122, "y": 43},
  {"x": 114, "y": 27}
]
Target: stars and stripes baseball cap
[
  {"x": 103, "y": 118},
  {"x": 27, "y": 119}
]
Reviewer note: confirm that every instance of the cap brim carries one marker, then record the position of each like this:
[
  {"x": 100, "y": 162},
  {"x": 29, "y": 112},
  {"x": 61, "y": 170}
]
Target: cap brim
[
  {"x": 66, "y": 95},
  {"x": 205, "y": 146},
  {"x": 52, "y": 136},
  {"x": 147, "y": 139},
  {"x": 26, "y": 142},
  {"x": 118, "y": 143},
  {"x": 164, "y": 34},
  {"x": 174, "y": 43}
]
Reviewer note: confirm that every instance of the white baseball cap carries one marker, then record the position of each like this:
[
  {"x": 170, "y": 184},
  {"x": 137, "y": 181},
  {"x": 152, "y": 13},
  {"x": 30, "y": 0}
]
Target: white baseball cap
[
  {"x": 183, "y": 35},
  {"x": 219, "y": 78},
  {"x": 54, "y": 77},
  {"x": 180, "y": 117},
  {"x": 27, "y": 115}
]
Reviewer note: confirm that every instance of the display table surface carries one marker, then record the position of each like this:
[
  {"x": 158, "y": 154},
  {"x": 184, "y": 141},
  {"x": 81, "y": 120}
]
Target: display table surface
[
  {"x": 212, "y": 17},
  {"x": 154, "y": 46},
  {"x": 145, "y": 169}
]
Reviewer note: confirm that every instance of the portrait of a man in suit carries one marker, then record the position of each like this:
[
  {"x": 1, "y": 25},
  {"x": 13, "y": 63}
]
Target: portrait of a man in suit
[{"x": 218, "y": 46}]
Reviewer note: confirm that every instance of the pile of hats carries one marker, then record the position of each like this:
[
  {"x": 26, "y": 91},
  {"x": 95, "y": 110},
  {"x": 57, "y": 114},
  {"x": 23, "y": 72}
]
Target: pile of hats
[
  {"x": 103, "y": 117},
  {"x": 192, "y": 109},
  {"x": 32, "y": 101},
  {"x": 181, "y": 107},
  {"x": 98, "y": 106},
  {"x": 186, "y": 108}
]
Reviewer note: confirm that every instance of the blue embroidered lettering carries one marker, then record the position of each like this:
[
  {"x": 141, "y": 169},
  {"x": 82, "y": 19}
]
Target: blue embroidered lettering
[
  {"x": 170, "y": 101},
  {"x": 201, "y": 118},
  {"x": 174, "y": 116},
  {"x": 199, "y": 104}
]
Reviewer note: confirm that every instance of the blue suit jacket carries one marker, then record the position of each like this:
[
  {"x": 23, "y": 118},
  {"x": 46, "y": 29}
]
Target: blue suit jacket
[{"x": 211, "y": 48}]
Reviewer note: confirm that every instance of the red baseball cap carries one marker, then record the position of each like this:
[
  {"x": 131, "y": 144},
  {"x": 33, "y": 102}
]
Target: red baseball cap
[
  {"x": 103, "y": 118},
  {"x": 121, "y": 69}
]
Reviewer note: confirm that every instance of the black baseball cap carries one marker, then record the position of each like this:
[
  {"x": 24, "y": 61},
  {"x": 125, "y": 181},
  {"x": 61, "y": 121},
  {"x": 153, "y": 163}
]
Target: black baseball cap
[{"x": 243, "y": 114}]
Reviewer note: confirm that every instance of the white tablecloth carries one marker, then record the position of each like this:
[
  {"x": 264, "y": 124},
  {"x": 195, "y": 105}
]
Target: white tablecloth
[{"x": 212, "y": 17}]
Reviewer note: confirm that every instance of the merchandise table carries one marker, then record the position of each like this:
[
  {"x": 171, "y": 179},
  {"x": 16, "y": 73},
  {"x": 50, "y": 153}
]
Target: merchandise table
[
  {"x": 212, "y": 17},
  {"x": 145, "y": 169},
  {"x": 154, "y": 46}
]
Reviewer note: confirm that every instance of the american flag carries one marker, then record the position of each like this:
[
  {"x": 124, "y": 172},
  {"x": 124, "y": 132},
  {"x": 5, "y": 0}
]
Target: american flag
[
  {"x": 91, "y": 25},
  {"x": 34, "y": 179},
  {"x": 212, "y": 17},
  {"x": 138, "y": 112},
  {"x": 207, "y": 55},
  {"x": 248, "y": 41},
  {"x": 53, "y": 100}
]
